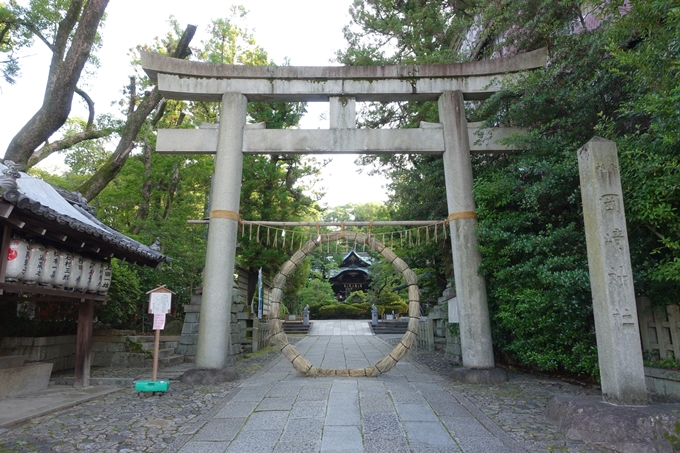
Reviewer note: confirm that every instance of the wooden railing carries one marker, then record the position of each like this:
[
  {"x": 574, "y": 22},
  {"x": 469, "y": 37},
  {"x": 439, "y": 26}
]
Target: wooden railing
[
  {"x": 425, "y": 338},
  {"x": 659, "y": 329},
  {"x": 260, "y": 334}
]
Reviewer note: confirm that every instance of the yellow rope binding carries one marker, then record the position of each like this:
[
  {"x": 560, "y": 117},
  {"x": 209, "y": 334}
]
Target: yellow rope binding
[
  {"x": 461, "y": 215},
  {"x": 224, "y": 214}
]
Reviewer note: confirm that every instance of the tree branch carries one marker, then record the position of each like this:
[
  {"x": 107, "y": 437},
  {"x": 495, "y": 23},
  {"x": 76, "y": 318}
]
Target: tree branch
[
  {"x": 97, "y": 182},
  {"x": 90, "y": 107},
  {"x": 66, "y": 26},
  {"x": 172, "y": 188},
  {"x": 62, "y": 80},
  {"x": 144, "y": 206},
  {"x": 67, "y": 142}
]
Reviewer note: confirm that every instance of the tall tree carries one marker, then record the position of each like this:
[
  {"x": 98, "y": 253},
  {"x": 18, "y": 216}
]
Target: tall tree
[
  {"x": 153, "y": 195},
  {"x": 137, "y": 115},
  {"x": 613, "y": 71},
  {"x": 71, "y": 45}
]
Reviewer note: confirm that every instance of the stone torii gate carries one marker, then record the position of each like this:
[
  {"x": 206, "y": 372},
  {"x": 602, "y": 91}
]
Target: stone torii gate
[{"x": 342, "y": 87}]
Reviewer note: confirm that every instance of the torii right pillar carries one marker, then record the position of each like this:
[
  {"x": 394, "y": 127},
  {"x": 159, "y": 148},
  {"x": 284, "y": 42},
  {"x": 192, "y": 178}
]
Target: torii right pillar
[{"x": 473, "y": 309}]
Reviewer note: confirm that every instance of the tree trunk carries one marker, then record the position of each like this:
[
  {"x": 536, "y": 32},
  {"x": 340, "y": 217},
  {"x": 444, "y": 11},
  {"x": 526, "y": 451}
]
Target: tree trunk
[
  {"x": 63, "y": 77},
  {"x": 172, "y": 188},
  {"x": 107, "y": 172},
  {"x": 144, "y": 207}
]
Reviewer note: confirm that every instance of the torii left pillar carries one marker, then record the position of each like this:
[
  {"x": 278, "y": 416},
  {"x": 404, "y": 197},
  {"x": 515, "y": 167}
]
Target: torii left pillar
[{"x": 213, "y": 351}]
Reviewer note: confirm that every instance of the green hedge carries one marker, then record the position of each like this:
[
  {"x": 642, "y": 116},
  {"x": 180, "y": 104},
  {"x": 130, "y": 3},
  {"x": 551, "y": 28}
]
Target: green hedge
[{"x": 340, "y": 311}]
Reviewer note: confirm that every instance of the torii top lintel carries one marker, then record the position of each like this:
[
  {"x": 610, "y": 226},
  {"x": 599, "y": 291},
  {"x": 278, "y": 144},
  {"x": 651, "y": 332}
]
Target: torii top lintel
[{"x": 191, "y": 80}]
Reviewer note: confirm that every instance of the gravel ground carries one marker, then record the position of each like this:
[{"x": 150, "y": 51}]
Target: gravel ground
[
  {"x": 517, "y": 407},
  {"x": 124, "y": 422}
]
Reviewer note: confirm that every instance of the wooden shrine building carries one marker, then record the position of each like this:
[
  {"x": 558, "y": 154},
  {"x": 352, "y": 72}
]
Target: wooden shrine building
[
  {"x": 54, "y": 249},
  {"x": 352, "y": 276}
]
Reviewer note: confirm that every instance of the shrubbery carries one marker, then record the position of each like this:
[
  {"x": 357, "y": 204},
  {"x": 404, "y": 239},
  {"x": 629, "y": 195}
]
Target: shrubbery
[
  {"x": 340, "y": 311},
  {"x": 398, "y": 307}
]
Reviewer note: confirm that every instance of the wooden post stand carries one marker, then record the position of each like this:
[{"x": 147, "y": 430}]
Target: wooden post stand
[
  {"x": 155, "y": 354},
  {"x": 159, "y": 305},
  {"x": 84, "y": 343}
]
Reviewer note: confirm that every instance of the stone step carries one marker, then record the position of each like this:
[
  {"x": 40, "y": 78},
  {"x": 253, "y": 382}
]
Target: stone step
[
  {"x": 141, "y": 338},
  {"x": 166, "y": 352},
  {"x": 120, "y": 382},
  {"x": 170, "y": 361},
  {"x": 394, "y": 327},
  {"x": 112, "y": 333},
  {"x": 152, "y": 338},
  {"x": 161, "y": 345},
  {"x": 295, "y": 327}
]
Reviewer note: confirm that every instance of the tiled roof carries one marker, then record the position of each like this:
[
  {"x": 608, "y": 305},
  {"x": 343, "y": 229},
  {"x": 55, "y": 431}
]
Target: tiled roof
[{"x": 64, "y": 217}]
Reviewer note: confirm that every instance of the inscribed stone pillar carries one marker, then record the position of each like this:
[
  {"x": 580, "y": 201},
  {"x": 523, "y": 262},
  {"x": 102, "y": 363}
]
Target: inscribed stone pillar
[
  {"x": 213, "y": 348},
  {"x": 611, "y": 278},
  {"x": 342, "y": 112},
  {"x": 475, "y": 328}
]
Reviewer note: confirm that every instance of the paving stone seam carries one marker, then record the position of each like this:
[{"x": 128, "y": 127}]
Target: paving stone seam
[
  {"x": 489, "y": 424},
  {"x": 195, "y": 425},
  {"x": 200, "y": 421}
]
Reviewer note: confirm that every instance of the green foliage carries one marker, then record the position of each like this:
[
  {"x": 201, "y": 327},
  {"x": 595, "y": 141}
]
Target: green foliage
[
  {"x": 316, "y": 292},
  {"x": 384, "y": 281},
  {"x": 672, "y": 439},
  {"x": 669, "y": 363},
  {"x": 398, "y": 307},
  {"x": 340, "y": 311},
  {"x": 154, "y": 195},
  {"x": 21, "y": 24},
  {"x": 136, "y": 347},
  {"x": 644, "y": 48},
  {"x": 357, "y": 297},
  {"x": 406, "y": 32},
  {"x": 322, "y": 262},
  {"x": 357, "y": 212},
  {"x": 124, "y": 299},
  {"x": 619, "y": 81},
  {"x": 531, "y": 228}
]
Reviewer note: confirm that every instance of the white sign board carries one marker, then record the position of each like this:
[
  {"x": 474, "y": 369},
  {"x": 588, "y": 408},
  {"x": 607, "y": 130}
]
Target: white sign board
[
  {"x": 158, "y": 321},
  {"x": 159, "y": 303}
]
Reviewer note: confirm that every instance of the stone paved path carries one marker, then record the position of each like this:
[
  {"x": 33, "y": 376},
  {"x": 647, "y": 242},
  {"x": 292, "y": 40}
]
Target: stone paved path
[
  {"x": 409, "y": 409},
  {"x": 340, "y": 327}
]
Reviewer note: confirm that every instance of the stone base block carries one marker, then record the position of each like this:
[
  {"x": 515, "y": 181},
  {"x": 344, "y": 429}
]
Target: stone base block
[
  {"x": 131, "y": 359},
  {"x": 489, "y": 376},
  {"x": 663, "y": 386},
  {"x": 12, "y": 361},
  {"x": 192, "y": 309},
  {"x": 209, "y": 377},
  {"x": 626, "y": 429},
  {"x": 32, "y": 377}
]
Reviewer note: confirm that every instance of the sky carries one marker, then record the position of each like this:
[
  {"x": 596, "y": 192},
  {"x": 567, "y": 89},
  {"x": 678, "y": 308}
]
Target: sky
[{"x": 308, "y": 32}]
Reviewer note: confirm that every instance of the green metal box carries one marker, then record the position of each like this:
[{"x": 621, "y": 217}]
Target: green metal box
[{"x": 152, "y": 386}]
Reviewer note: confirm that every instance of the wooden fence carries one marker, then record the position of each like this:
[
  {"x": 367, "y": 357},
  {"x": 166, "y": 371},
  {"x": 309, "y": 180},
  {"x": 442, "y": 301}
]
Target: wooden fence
[
  {"x": 425, "y": 338},
  {"x": 260, "y": 334},
  {"x": 659, "y": 329}
]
